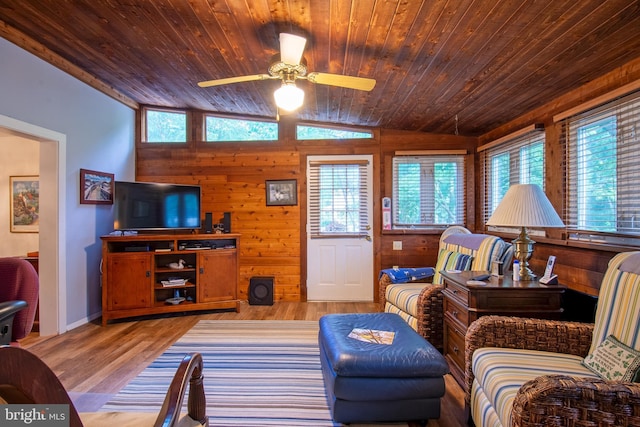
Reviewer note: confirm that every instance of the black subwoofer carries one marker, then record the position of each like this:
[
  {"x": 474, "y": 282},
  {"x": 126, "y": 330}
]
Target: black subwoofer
[{"x": 261, "y": 291}]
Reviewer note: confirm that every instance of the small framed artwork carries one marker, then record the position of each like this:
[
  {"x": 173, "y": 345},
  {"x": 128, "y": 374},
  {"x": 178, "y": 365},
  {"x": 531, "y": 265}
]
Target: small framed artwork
[
  {"x": 24, "y": 206},
  {"x": 96, "y": 188},
  {"x": 282, "y": 192}
]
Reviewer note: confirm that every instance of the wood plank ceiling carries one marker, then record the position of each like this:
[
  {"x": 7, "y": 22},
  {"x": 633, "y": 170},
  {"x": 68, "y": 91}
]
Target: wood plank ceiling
[{"x": 484, "y": 61}]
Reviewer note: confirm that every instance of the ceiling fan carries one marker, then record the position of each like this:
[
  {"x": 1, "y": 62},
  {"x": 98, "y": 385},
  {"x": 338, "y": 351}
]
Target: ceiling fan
[{"x": 290, "y": 66}]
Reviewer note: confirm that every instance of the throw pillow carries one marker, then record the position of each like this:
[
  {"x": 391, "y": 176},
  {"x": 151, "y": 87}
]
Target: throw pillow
[
  {"x": 612, "y": 360},
  {"x": 450, "y": 260}
]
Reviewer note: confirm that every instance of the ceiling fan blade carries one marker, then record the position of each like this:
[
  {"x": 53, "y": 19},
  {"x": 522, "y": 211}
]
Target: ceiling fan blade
[
  {"x": 291, "y": 48},
  {"x": 239, "y": 79},
  {"x": 359, "y": 83}
]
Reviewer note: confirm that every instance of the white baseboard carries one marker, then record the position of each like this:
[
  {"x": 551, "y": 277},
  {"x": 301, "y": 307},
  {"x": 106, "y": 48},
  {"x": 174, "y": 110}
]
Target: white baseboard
[{"x": 84, "y": 321}]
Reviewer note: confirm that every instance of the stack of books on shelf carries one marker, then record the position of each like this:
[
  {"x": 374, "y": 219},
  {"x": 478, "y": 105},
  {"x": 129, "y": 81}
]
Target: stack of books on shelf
[{"x": 173, "y": 282}]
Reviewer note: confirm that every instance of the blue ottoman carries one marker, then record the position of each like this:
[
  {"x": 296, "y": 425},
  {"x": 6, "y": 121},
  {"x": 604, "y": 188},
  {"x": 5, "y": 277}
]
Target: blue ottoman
[{"x": 372, "y": 382}]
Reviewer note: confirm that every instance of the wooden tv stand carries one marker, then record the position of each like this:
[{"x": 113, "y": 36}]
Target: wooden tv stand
[{"x": 134, "y": 267}]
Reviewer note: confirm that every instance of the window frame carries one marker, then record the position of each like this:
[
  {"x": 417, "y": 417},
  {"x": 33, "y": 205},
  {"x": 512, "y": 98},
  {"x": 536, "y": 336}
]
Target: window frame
[
  {"x": 624, "y": 112},
  {"x": 315, "y": 209},
  {"x": 511, "y": 146},
  {"x": 430, "y": 158},
  {"x": 144, "y": 131},
  {"x": 335, "y": 128},
  {"x": 241, "y": 119}
]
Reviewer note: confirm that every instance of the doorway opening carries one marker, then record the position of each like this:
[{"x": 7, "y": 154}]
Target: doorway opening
[{"x": 52, "y": 230}]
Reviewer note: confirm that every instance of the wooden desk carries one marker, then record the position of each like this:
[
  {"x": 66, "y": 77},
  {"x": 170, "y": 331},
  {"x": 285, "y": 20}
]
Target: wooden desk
[{"x": 464, "y": 303}]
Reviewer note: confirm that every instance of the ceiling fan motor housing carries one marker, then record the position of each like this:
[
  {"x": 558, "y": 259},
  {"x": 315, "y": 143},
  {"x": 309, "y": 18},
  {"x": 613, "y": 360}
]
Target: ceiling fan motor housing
[{"x": 280, "y": 69}]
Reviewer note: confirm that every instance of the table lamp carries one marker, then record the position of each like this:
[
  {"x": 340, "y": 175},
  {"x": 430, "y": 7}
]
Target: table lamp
[{"x": 525, "y": 205}]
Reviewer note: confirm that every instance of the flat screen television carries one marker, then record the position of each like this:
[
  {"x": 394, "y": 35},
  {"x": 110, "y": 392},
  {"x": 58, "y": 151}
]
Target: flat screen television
[{"x": 153, "y": 206}]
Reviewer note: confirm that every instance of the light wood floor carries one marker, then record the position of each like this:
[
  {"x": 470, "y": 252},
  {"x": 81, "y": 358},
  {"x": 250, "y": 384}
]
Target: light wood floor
[{"x": 95, "y": 362}]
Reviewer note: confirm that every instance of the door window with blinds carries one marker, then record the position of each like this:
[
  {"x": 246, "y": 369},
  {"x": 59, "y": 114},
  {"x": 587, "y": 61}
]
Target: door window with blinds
[
  {"x": 515, "y": 161},
  {"x": 428, "y": 191},
  {"x": 603, "y": 157},
  {"x": 338, "y": 199}
]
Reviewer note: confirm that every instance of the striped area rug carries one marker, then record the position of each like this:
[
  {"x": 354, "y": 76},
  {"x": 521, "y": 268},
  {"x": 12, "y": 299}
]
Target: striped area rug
[{"x": 256, "y": 373}]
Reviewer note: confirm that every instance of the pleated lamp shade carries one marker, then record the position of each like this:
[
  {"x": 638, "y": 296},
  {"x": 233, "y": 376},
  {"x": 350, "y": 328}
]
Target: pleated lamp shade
[{"x": 525, "y": 205}]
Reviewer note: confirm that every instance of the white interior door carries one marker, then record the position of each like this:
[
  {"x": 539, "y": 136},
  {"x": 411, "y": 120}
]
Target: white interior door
[{"x": 339, "y": 238}]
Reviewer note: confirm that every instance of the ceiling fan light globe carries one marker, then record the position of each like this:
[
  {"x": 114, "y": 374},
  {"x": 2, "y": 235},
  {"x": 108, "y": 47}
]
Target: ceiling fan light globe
[{"x": 289, "y": 97}]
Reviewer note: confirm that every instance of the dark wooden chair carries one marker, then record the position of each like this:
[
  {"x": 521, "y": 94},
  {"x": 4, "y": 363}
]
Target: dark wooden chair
[{"x": 25, "y": 379}]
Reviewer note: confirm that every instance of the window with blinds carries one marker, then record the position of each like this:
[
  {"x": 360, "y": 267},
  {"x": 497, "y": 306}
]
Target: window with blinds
[
  {"x": 519, "y": 160},
  {"x": 428, "y": 191},
  {"x": 602, "y": 149},
  {"x": 338, "y": 199}
]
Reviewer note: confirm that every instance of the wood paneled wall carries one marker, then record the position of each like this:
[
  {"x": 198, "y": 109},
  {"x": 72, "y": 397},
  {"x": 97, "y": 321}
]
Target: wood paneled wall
[
  {"x": 273, "y": 243},
  {"x": 580, "y": 266},
  {"x": 419, "y": 248},
  {"x": 232, "y": 177}
]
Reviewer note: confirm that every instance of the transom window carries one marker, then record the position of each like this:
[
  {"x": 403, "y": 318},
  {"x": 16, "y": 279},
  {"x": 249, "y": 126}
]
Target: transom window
[
  {"x": 220, "y": 129},
  {"x": 307, "y": 132},
  {"x": 428, "y": 191},
  {"x": 164, "y": 126}
]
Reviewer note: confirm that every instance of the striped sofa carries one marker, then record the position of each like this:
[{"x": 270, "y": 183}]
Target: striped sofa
[
  {"x": 530, "y": 372},
  {"x": 420, "y": 304}
]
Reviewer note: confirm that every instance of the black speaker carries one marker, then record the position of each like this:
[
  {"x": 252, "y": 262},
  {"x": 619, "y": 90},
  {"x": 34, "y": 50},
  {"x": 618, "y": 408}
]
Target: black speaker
[
  {"x": 208, "y": 223},
  {"x": 261, "y": 291},
  {"x": 226, "y": 222}
]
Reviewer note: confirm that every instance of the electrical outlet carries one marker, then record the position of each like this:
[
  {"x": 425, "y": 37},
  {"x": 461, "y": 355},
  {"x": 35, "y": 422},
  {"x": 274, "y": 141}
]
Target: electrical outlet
[{"x": 397, "y": 245}]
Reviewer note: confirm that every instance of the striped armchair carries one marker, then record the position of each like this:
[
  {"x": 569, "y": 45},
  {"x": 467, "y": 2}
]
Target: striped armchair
[
  {"x": 530, "y": 372},
  {"x": 420, "y": 303}
]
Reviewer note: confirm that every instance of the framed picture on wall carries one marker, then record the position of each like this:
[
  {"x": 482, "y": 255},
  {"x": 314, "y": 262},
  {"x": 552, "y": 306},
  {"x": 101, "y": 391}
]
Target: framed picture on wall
[
  {"x": 282, "y": 192},
  {"x": 96, "y": 188},
  {"x": 24, "y": 204}
]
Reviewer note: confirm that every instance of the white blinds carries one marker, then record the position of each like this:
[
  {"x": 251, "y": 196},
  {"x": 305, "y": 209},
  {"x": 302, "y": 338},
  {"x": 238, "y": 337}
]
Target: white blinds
[
  {"x": 338, "y": 199},
  {"x": 515, "y": 161},
  {"x": 428, "y": 191},
  {"x": 602, "y": 149}
]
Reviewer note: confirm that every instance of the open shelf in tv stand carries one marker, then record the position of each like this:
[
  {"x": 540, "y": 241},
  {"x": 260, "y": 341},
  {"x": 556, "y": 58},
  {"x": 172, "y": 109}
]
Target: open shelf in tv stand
[{"x": 134, "y": 267}]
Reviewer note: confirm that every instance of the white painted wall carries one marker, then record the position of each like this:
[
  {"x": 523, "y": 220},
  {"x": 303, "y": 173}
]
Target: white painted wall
[
  {"x": 99, "y": 136},
  {"x": 20, "y": 156}
]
